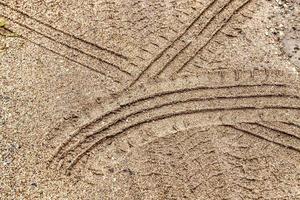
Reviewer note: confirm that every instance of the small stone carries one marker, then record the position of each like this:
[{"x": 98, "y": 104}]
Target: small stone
[
  {"x": 2, "y": 23},
  {"x": 281, "y": 34},
  {"x": 111, "y": 170},
  {"x": 34, "y": 184}
]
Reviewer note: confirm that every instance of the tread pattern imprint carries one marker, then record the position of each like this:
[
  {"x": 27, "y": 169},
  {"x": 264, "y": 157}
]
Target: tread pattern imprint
[
  {"x": 201, "y": 137},
  {"x": 187, "y": 125}
]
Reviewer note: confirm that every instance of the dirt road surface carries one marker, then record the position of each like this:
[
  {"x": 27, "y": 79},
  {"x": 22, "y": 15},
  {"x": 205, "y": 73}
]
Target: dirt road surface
[{"x": 159, "y": 99}]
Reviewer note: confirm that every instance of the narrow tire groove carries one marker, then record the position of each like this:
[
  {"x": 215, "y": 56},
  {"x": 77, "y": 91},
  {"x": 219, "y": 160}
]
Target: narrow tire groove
[
  {"x": 277, "y": 130},
  {"x": 152, "y": 97},
  {"x": 171, "y": 44},
  {"x": 172, "y": 103},
  {"x": 70, "y": 59},
  {"x": 101, "y": 140},
  {"x": 239, "y": 128},
  {"x": 68, "y": 46},
  {"x": 58, "y": 30},
  {"x": 212, "y": 37},
  {"x": 201, "y": 31}
]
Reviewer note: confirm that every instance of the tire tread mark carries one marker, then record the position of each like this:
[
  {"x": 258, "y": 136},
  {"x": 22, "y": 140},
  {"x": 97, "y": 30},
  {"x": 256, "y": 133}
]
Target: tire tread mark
[
  {"x": 195, "y": 99},
  {"x": 167, "y": 116},
  {"x": 238, "y": 81},
  {"x": 171, "y": 44},
  {"x": 250, "y": 132},
  {"x": 67, "y": 58},
  {"x": 157, "y": 118},
  {"x": 68, "y": 46},
  {"x": 58, "y": 30},
  {"x": 264, "y": 125},
  {"x": 201, "y": 31},
  {"x": 150, "y": 97},
  {"x": 213, "y": 36}
]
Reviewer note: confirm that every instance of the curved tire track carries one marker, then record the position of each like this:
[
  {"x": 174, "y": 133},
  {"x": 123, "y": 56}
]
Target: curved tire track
[
  {"x": 130, "y": 98},
  {"x": 161, "y": 105}
]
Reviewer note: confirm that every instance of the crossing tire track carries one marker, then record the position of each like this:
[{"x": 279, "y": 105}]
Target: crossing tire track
[
  {"x": 185, "y": 60},
  {"x": 163, "y": 53},
  {"x": 281, "y": 128},
  {"x": 113, "y": 136},
  {"x": 171, "y": 60},
  {"x": 206, "y": 25}
]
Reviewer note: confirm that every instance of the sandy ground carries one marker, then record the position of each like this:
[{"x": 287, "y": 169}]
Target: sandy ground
[{"x": 122, "y": 99}]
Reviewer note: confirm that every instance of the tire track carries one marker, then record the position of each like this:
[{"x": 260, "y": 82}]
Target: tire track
[
  {"x": 124, "y": 117},
  {"x": 144, "y": 110},
  {"x": 183, "y": 110},
  {"x": 165, "y": 65},
  {"x": 155, "y": 98},
  {"x": 171, "y": 45},
  {"x": 189, "y": 85},
  {"x": 291, "y": 124},
  {"x": 67, "y": 58},
  {"x": 216, "y": 32},
  {"x": 173, "y": 103},
  {"x": 263, "y": 135},
  {"x": 163, "y": 117},
  {"x": 260, "y": 92},
  {"x": 198, "y": 47},
  {"x": 279, "y": 130},
  {"x": 63, "y": 43},
  {"x": 65, "y": 33},
  {"x": 206, "y": 25}
]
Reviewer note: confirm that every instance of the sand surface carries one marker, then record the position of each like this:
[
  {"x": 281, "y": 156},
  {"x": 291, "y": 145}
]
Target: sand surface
[{"x": 138, "y": 99}]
